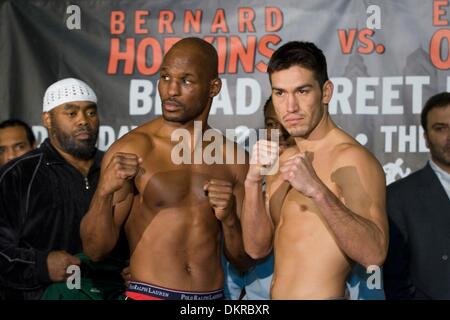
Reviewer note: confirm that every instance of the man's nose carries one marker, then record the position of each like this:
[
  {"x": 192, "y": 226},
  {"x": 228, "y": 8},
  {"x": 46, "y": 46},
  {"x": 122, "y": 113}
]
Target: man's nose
[
  {"x": 292, "y": 104},
  {"x": 10, "y": 154},
  {"x": 82, "y": 119},
  {"x": 174, "y": 88}
]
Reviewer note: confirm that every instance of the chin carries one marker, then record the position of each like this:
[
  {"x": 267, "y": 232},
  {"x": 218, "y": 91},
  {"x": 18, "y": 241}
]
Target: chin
[
  {"x": 298, "y": 133},
  {"x": 171, "y": 118}
]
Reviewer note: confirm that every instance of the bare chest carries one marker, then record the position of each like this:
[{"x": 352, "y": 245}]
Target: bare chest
[
  {"x": 286, "y": 202},
  {"x": 164, "y": 184}
]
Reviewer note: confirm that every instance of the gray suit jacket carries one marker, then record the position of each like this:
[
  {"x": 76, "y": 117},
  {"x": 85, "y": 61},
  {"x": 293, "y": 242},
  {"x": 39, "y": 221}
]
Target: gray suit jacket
[{"x": 418, "y": 261}]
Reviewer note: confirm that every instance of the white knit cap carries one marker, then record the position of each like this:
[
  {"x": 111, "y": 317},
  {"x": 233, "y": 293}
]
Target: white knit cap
[{"x": 67, "y": 90}]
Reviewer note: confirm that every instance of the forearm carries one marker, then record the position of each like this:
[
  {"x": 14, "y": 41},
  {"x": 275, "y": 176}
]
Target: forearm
[
  {"x": 256, "y": 223},
  {"x": 361, "y": 239},
  {"x": 234, "y": 245},
  {"x": 98, "y": 231}
]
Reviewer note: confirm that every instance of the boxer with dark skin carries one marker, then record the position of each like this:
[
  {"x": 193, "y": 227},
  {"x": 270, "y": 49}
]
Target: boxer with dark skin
[{"x": 175, "y": 216}]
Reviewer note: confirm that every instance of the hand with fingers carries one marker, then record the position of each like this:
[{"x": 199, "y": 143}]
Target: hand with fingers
[
  {"x": 121, "y": 168},
  {"x": 263, "y": 160},
  {"x": 299, "y": 172},
  {"x": 220, "y": 196},
  {"x": 57, "y": 264}
]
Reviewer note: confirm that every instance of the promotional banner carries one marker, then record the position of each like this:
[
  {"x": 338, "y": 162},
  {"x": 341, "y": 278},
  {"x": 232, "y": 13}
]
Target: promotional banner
[{"x": 385, "y": 58}]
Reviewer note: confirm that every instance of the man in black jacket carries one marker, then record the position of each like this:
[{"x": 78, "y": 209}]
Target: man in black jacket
[
  {"x": 45, "y": 193},
  {"x": 418, "y": 264},
  {"x": 16, "y": 139}
]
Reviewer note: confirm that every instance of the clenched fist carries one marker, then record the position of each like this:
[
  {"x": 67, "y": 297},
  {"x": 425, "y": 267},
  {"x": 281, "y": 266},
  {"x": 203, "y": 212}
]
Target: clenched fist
[
  {"x": 220, "y": 196},
  {"x": 122, "y": 167},
  {"x": 264, "y": 160},
  {"x": 299, "y": 172}
]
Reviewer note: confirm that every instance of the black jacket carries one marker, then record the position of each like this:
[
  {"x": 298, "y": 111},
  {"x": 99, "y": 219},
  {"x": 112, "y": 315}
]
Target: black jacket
[
  {"x": 42, "y": 201},
  {"x": 418, "y": 261}
]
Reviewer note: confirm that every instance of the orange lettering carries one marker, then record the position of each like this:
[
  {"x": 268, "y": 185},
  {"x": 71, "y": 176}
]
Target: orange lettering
[
  {"x": 347, "y": 41},
  {"x": 274, "y": 19},
  {"x": 364, "y": 36},
  {"x": 139, "y": 21},
  {"x": 245, "y": 18},
  {"x": 264, "y": 50},
  {"x": 116, "y": 55},
  {"x": 145, "y": 44},
  {"x": 245, "y": 56},
  {"x": 116, "y": 22},
  {"x": 435, "y": 49},
  {"x": 221, "y": 48},
  {"x": 219, "y": 22},
  {"x": 438, "y": 12},
  {"x": 192, "y": 22},
  {"x": 165, "y": 21}
]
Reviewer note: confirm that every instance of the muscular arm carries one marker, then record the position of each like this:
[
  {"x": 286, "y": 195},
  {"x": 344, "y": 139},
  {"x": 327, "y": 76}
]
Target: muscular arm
[
  {"x": 361, "y": 238},
  {"x": 257, "y": 224},
  {"x": 111, "y": 204},
  {"x": 358, "y": 217},
  {"x": 232, "y": 231}
]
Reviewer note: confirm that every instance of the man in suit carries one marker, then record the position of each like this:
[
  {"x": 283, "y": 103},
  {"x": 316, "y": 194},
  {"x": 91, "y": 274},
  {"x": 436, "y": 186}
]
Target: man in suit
[{"x": 418, "y": 264}]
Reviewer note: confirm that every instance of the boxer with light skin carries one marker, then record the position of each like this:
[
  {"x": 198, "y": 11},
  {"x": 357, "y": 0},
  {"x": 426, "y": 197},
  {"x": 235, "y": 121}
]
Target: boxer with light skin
[{"x": 326, "y": 206}]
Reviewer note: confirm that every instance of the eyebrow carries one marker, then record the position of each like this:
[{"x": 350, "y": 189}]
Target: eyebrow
[
  {"x": 439, "y": 124},
  {"x": 69, "y": 106},
  {"x": 186, "y": 74},
  {"x": 305, "y": 86}
]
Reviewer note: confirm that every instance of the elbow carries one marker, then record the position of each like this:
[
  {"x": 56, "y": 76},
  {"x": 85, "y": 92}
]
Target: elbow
[
  {"x": 93, "y": 251},
  {"x": 257, "y": 253},
  {"x": 257, "y": 247},
  {"x": 93, "y": 247},
  {"x": 373, "y": 262},
  {"x": 378, "y": 253},
  {"x": 376, "y": 259},
  {"x": 257, "y": 256},
  {"x": 93, "y": 254}
]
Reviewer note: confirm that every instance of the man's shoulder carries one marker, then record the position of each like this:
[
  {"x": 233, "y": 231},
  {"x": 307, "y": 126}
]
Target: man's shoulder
[
  {"x": 233, "y": 156},
  {"x": 411, "y": 181},
  {"x": 136, "y": 141},
  {"x": 351, "y": 152}
]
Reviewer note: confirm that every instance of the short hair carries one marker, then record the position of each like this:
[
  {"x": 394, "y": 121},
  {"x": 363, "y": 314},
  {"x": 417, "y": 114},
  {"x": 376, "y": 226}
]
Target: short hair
[
  {"x": 439, "y": 100},
  {"x": 299, "y": 53},
  {"x": 266, "y": 105},
  {"x": 19, "y": 123}
]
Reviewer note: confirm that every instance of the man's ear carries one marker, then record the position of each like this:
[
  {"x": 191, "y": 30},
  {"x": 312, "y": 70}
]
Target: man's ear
[
  {"x": 215, "y": 87},
  {"x": 327, "y": 91},
  {"x": 46, "y": 121}
]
